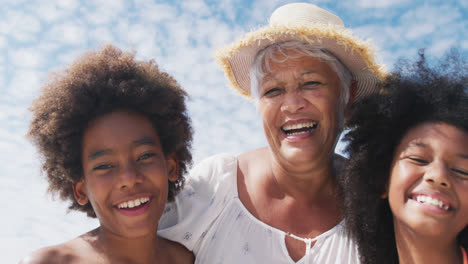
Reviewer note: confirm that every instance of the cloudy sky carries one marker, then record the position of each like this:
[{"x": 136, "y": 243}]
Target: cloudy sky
[{"x": 39, "y": 36}]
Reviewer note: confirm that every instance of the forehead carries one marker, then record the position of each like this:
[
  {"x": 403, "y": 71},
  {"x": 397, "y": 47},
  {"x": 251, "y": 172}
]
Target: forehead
[
  {"x": 118, "y": 127},
  {"x": 293, "y": 61},
  {"x": 436, "y": 136}
]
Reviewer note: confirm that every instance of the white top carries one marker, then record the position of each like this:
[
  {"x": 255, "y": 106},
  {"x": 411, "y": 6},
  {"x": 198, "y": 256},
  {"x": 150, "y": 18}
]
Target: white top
[{"x": 208, "y": 218}]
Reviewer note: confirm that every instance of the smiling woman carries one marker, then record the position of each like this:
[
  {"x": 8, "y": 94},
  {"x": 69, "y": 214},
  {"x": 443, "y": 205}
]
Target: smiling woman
[
  {"x": 280, "y": 203},
  {"x": 115, "y": 141}
]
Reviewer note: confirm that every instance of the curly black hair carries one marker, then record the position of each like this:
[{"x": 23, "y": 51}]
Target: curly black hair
[
  {"x": 100, "y": 82},
  {"x": 413, "y": 94}
]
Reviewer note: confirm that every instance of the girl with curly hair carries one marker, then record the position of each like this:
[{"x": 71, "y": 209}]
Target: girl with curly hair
[
  {"x": 406, "y": 190},
  {"x": 115, "y": 139}
]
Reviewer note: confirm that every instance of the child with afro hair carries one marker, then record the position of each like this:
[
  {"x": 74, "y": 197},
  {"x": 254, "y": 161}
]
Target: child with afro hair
[
  {"x": 406, "y": 188},
  {"x": 114, "y": 138}
]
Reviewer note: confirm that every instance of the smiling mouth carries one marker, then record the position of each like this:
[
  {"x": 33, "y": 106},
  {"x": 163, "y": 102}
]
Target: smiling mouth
[
  {"x": 299, "y": 129},
  {"x": 133, "y": 203},
  {"x": 431, "y": 201}
]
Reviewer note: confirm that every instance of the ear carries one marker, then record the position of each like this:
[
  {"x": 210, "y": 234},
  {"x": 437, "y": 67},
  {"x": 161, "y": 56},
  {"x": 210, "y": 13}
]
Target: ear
[
  {"x": 172, "y": 167},
  {"x": 79, "y": 191},
  {"x": 384, "y": 195},
  {"x": 352, "y": 97}
]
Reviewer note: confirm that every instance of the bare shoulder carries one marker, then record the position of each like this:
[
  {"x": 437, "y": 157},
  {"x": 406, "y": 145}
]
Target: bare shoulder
[
  {"x": 62, "y": 253},
  {"x": 177, "y": 253},
  {"x": 69, "y": 252},
  {"x": 252, "y": 159}
]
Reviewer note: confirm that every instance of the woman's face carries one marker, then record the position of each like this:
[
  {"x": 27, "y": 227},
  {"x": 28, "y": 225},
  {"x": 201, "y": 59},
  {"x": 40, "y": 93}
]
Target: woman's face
[
  {"x": 125, "y": 173},
  {"x": 428, "y": 189},
  {"x": 301, "y": 111}
]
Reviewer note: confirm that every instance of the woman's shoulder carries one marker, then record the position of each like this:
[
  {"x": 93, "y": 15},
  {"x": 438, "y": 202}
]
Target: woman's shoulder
[
  {"x": 213, "y": 169},
  {"x": 253, "y": 159},
  {"x": 68, "y": 252}
]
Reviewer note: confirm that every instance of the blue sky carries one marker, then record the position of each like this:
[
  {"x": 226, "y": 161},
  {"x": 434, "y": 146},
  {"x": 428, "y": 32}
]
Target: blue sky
[{"x": 39, "y": 36}]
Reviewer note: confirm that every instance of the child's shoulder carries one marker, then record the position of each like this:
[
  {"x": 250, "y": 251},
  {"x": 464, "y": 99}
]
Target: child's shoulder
[
  {"x": 177, "y": 253},
  {"x": 73, "y": 251}
]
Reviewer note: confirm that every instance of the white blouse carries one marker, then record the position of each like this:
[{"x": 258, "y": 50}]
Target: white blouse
[{"x": 208, "y": 218}]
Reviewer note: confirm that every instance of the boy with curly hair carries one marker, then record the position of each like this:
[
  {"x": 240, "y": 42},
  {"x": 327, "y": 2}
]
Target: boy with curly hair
[{"x": 114, "y": 138}]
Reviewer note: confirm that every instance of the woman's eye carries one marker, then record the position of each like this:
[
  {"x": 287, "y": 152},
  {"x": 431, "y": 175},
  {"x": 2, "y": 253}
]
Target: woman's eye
[
  {"x": 146, "y": 156},
  {"x": 103, "y": 167},
  {"x": 311, "y": 84},
  {"x": 272, "y": 92}
]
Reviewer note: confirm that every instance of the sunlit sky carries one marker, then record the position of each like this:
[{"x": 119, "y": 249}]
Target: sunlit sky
[{"x": 39, "y": 36}]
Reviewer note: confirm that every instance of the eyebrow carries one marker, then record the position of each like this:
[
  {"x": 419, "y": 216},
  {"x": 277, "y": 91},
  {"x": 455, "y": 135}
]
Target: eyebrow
[
  {"x": 307, "y": 72},
  {"x": 144, "y": 141},
  {"x": 266, "y": 79},
  {"x": 99, "y": 153},
  {"x": 418, "y": 144},
  {"x": 139, "y": 142},
  {"x": 422, "y": 145}
]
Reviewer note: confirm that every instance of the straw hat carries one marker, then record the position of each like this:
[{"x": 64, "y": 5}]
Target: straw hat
[{"x": 303, "y": 22}]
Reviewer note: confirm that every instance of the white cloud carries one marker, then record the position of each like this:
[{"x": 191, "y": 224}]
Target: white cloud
[
  {"x": 101, "y": 34},
  {"x": 380, "y": 3},
  {"x": 69, "y": 33},
  {"x": 68, "y": 4},
  {"x": 155, "y": 12},
  {"x": 430, "y": 14},
  {"x": 48, "y": 11},
  {"x": 416, "y": 31},
  {"x": 464, "y": 45},
  {"x": 23, "y": 83},
  {"x": 26, "y": 57},
  {"x": 198, "y": 7},
  {"x": 105, "y": 11},
  {"x": 440, "y": 46},
  {"x": 19, "y": 25}
]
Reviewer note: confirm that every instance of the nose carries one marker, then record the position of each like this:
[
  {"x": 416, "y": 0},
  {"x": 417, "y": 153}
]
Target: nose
[
  {"x": 293, "y": 102},
  {"x": 439, "y": 175},
  {"x": 129, "y": 176}
]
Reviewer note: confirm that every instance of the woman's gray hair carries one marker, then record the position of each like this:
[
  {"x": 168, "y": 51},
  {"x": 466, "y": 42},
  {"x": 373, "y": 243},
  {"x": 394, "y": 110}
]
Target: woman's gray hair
[{"x": 261, "y": 65}]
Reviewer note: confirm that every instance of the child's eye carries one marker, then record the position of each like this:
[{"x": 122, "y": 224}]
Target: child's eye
[
  {"x": 103, "y": 167},
  {"x": 145, "y": 156},
  {"x": 462, "y": 174},
  {"x": 418, "y": 160}
]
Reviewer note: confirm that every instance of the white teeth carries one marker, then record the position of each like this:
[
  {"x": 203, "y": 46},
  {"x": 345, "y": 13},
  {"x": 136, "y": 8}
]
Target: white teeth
[
  {"x": 299, "y": 126},
  {"x": 133, "y": 203},
  {"x": 429, "y": 200}
]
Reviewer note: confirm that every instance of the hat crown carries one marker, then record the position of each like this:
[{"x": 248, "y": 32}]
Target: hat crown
[{"x": 303, "y": 14}]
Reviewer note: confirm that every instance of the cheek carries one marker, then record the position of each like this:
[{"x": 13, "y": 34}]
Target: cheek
[{"x": 402, "y": 180}]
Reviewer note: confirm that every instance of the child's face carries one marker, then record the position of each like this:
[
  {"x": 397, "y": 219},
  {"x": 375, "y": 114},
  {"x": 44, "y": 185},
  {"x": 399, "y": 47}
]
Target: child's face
[
  {"x": 428, "y": 189},
  {"x": 125, "y": 173}
]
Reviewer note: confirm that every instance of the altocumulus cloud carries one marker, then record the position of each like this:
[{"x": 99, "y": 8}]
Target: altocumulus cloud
[{"x": 39, "y": 36}]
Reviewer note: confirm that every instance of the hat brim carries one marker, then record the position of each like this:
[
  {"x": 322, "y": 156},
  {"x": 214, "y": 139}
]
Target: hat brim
[{"x": 357, "y": 55}]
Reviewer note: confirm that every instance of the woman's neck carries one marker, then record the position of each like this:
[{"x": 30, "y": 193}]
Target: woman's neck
[
  {"x": 314, "y": 183},
  {"x": 413, "y": 248}
]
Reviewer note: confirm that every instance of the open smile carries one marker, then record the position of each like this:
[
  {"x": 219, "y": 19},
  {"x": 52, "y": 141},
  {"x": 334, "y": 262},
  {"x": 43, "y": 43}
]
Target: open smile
[
  {"x": 134, "y": 207},
  {"x": 432, "y": 201},
  {"x": 299, "y": 129}
]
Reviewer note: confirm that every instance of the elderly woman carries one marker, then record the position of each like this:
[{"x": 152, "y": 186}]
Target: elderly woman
[{"x": 280, "y": 203}]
